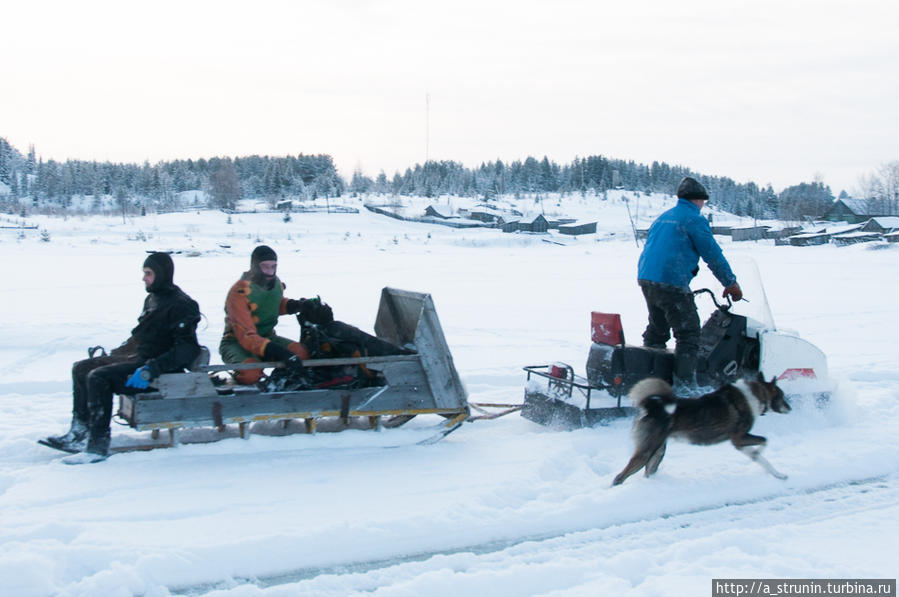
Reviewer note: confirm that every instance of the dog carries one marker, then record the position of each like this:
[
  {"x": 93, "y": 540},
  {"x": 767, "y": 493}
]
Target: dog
[{"x": 728, "y": 413}]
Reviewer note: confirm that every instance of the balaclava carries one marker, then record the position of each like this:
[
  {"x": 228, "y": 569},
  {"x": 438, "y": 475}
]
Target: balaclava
[
  {"x": 260, "y": 254},
  {"x": 164, "y": 268}
]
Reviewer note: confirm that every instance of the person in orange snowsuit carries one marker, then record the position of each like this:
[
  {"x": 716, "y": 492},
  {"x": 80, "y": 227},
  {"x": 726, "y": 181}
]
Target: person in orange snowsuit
[{"x": 252, "y": 308}]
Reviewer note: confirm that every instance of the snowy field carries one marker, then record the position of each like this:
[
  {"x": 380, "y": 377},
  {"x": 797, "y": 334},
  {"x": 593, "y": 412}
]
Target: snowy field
[{"x": 499, "y": 508}]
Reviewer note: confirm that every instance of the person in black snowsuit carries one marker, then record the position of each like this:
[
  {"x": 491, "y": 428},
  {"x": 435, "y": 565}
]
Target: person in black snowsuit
[{"x": 164, "y": 341}]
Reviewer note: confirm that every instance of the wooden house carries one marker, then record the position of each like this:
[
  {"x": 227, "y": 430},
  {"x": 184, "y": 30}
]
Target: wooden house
[
  {"x": 854, "y": 238},
  {"x": 748, "y": 233},
  {"x": 444, "y": 212},
  {"x": 535, "y": 223},
  {"x": 556, "y": 223},
  {"x": 855, "y": 211},
  {"x": 881, "y": 224},
  {"x": 809, "y": 239},
  {"x": 509, "y": 225},
  {"x": 578, "y": 228},
  {"x": 485, "y": 214},
  {"x": 780, "y": 233}
]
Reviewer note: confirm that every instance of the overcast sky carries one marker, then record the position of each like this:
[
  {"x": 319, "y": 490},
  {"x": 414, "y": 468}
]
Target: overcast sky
[{"x": 765, "y": 91}]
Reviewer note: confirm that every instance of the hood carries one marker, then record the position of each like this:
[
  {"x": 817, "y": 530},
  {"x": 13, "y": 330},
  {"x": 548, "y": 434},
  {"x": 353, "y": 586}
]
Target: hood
[{"x": 164, "y": 269}]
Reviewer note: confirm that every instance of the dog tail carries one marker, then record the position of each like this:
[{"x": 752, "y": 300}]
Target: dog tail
[{"x": 652, "y": 390}]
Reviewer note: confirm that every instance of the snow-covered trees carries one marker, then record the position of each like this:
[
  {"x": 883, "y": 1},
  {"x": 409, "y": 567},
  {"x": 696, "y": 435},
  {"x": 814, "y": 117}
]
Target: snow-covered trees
[
  {"x": 360, "y": 182},
  {"x": 881, "y": 189},
  {"x": 54, "y": 184},
  {"x": 224, "y": 185},
  {"x": 811, "y": 200},
  {"x": 314, "y": 176}
]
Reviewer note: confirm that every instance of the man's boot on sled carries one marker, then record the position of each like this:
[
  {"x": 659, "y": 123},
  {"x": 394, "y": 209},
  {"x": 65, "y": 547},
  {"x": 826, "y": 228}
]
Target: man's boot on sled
[{"x": 73, "y": 441}]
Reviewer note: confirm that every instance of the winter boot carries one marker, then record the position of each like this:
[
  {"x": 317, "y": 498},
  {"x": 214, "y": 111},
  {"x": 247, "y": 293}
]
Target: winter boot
[
  {"x": 684, "y": 374},
  {"x": 73, "y": 441},
  {"x": 686, "y": 387},
  {"x": 97, "y": 451}
]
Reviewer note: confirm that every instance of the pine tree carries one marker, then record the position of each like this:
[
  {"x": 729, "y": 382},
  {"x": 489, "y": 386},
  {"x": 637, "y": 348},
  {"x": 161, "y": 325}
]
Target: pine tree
[
  {"x": 225, "y": 185},
  {"x": 31, "y": 162},
  {"x": 381, "y": 184},
  {"x": 121, "y": 199}
]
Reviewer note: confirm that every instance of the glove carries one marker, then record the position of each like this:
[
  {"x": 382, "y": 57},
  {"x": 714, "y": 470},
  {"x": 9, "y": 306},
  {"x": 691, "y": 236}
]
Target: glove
[
  {"x": 293, "y": 306},
  {"x": 321, "y": 315},
  {"x": 735, "y": 292},
  {"x": 292, "y": 363},
  {"x": 311, "y": 310},
  {"x": 140, "y": 379},
  {"x": 275, "y": 352},
  {"x": 302, "y": 306}
]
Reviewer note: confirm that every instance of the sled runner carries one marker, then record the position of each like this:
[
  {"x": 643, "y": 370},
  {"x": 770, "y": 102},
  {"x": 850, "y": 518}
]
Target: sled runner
[{"x": 421, "y": 379}]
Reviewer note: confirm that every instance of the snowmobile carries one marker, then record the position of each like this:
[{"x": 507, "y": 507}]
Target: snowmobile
[
  {"x": 732, "y": 346},
  {"x": 406, "y": 370}
]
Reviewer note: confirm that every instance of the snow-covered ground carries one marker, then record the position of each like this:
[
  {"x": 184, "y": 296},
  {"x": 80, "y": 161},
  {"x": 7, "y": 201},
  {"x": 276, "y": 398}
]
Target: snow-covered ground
[{"x": 502, "y": 507}]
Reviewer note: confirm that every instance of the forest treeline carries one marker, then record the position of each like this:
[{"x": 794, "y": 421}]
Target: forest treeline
[{"x": 52, "y": 184}]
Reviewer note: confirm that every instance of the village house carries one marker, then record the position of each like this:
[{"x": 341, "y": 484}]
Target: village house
[
  {"x": 444, "y": 212},
  {"x": 535, "y": 223},
  {"x": 855, "y": 211},
  {"x": 748, "y": 233},
  {"x": 578, "y": 228},
  {"x": 882, "y": 224}
]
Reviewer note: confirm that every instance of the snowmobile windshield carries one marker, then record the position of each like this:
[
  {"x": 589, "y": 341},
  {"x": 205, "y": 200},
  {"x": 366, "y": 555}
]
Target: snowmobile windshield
[{"x": 755, "y": 306}]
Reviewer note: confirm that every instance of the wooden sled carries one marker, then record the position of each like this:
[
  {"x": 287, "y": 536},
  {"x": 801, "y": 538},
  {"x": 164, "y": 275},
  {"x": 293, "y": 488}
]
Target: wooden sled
[{"x": 424, "y": 382}]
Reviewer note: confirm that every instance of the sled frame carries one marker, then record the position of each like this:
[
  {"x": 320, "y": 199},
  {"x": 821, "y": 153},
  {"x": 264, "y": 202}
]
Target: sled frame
[{"x": 550, "y": 407}]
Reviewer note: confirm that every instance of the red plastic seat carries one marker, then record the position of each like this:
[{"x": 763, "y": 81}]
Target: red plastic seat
[{"x": 605, "y": 328}]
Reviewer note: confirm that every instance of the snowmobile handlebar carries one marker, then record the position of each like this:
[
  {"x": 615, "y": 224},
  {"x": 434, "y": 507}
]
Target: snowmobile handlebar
[
  {"x": 93, "y": 350},
  {"x": 715, "y": 299}
]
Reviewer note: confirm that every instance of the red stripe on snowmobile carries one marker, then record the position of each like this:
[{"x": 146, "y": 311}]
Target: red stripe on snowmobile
[{"x": 791, "y": 374}]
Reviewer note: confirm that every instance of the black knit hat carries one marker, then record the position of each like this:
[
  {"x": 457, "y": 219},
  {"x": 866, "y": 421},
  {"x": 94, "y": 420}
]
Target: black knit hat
[
  {"x": 689, "y": 188},
  {"x": 164, "y": 269},
  {"x": 262, "y": 253}
]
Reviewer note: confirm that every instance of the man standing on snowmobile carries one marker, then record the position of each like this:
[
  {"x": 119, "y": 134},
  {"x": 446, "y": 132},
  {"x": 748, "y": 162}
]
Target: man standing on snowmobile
[
  {"x": 252, "y": 308},
  {"x": 164, "y": 341},
  {"x": 669, "y": 261}
]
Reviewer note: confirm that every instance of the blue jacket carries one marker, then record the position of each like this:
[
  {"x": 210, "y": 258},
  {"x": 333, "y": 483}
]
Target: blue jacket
[{"x": 677, "y": 239}]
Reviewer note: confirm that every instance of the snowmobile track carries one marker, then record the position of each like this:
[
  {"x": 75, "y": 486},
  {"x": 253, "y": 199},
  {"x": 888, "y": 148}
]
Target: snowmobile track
[{"x": 830, "y": 498}]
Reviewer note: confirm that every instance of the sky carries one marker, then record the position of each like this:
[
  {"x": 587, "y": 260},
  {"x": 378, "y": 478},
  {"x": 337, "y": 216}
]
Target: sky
[{"x": 777, "y": 92}]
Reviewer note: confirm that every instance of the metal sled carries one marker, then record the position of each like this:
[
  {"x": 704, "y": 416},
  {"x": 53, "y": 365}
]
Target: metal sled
[
  {"x": 569, "y": 401},
  {"x": 424, "y": 382}
]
